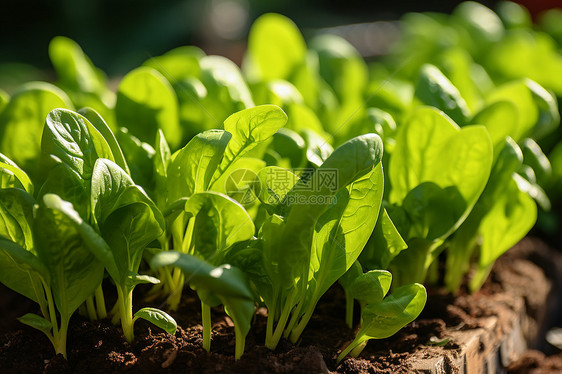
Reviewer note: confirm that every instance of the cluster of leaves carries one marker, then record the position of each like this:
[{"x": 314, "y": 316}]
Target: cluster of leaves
[{"x": 208, "y": 175}]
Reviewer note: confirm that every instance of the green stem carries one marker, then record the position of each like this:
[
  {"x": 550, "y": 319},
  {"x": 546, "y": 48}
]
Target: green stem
[
  {"x": 282, "y": 323},
  {"x": 175, "y": 297},
  {"x": 100, "y": 303},
  {"x": 82, "y": 310},
  {"x": 91, "y": 309},
  {"x": 355, "y": 352},
  {"x": 125, "y": 299},
  {"x": 59, "y": 337},
  {"x": 349, "y": 303},
  {"x": 296, "y": 312},
  {"x": 297, "y": 331},
  {"x": 355, "y": 344},
  {"x": 270, "y": 321},
  {"x": 40, "y": 294},
  {"x": 479, "y": 277},
  {"x": 206, "y": 320},
  {"x": 294, "y": 319},
  {"x": 51, "y": 304},
  {"x": 240, "y": 342}
]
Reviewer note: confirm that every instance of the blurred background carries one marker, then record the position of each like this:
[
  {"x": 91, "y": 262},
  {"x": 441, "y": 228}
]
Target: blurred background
[{"x": 120, "y": 35}]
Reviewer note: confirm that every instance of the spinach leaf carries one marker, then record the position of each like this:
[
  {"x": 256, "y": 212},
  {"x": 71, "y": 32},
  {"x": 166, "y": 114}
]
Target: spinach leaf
[
  {"x": 384, "y": 319},
  {"x": 22, "y": 121},
  {"x": 147, "y": 102}
]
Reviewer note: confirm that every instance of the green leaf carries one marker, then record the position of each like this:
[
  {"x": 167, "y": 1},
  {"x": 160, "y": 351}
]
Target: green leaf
[
  {"x": 384, "y": 319},
  {"x": 133, "y": 279},
  {"x": 512, "y": 216},
  {"x": 13, "y": 176},
  {"x": 341, "y": 66},
  {"x": 63, "y": 181},
  {"x": 62, "y": 247},
  {"x": 371, "y": 287},
  {"x": 158, "y": 318},
  {"x": 384, "y": 244},
  {"x": 500, "y": 119},
  {"x": 37, "y": 322},
  {"x": 219, "y": 223},
  {"x": 22, "y": 122},
  {"x": 290, "y": 145},
  {"x": 109, "y": 183},
  {"x": 311, "y": 197},
  {"x": 273, "y": 184},
  {"x": 466, "y": 237},
  {"x": 74, "y": 69},
  {"x": 249, "y": 127},
  {"x": 549, "y": 116},
  {"x": 223, "y": 280},
  {"x": 177, "y": 64},
  {"x": 128, "y": 231},
  {"x": 112, "y": 189},
  {"x": 343, "y": 230},
  {"x": 139, "y": 157},
  {"x": 145, "y": 103},
  {"x": 75, "y": 141},
  {"x": 227, "y": 91},
  {"x": 277, "y": 92},
  {"x": 433, "y": 88},
  {"x": 4, "y": 99},
  {"x": 239, "y": 179},
  {"x": 162, "y": 159},
  {"x": 192, "y": 167},
  {"x": 16, "y": 216},
  {"x": 98, "y": 122},
  {"x": 317, "y": 148},
  {"x": 534, "y": 157},
  {"x": 481, "y": 22},
  {"x": 518, "y": 93},
  {"x": 22, "y": 271},
  {"x": 435, "y": 159},
  {"x": 275, "y": 47}
]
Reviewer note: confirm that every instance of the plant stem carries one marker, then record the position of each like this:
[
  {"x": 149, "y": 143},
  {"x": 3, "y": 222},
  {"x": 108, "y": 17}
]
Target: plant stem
[
  {"x": 175, "y": 297},
  {"x": 91, "y": 309},
  {"x": 51, "y": 304},
  {"x": 297, "y": 331},
  {"x": 206, "y": 320},
  {"x": 100, "y": 303},
  {"x": 240, "y": 342},
  {"x": 349, "y": 303},
  {"x": 270, "y": 321},
  {"x": 296, "y": 313},
  {"x": 125, "y": 299},
  {"x": 40, "y": 294},
  {"x": 59, "y": 336},
  {"x": 272, "y": 344},
  {"x": 356, "y": 343},
  {"x": 357, "y": 350},
  {"x": 294, "y": 318}
]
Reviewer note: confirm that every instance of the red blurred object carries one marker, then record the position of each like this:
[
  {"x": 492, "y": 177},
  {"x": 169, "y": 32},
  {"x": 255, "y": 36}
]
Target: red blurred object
[{"x": 538, "y": 6}]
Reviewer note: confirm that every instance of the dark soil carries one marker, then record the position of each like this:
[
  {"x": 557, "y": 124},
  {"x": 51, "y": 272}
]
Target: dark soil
[{"x": 99, "y": 347}]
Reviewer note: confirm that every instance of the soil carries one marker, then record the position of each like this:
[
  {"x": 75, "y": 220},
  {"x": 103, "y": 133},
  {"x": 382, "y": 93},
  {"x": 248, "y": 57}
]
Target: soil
[{"x": 99, "y": 347}]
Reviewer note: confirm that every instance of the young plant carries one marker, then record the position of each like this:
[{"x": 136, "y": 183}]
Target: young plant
[
  {"x": 44, "y": 257},
  {"x": 437, "y": 174},
  {"x": 314, "y": 234},
  {"x": 198, "y": 167},
  {"x": 382, "y": 319},
  {"x": 128, "y": 221}
]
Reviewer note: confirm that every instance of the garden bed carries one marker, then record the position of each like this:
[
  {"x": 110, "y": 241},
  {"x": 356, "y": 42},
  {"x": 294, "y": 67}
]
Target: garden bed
[{"x": 478, "y": 333}]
